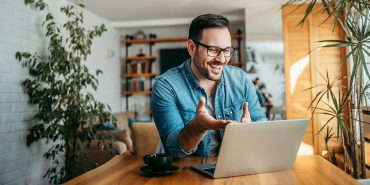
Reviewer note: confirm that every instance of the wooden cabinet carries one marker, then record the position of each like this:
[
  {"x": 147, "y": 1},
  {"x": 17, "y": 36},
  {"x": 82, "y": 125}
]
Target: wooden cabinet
[{"x": 365, "y": 116}]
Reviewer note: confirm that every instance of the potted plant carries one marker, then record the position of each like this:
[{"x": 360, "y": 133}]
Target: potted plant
[
  {"x": 354, "y": 19},
  {"x": 67, "y": 114}
]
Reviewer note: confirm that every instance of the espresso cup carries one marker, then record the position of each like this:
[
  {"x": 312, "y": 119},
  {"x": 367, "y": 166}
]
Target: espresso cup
[{"x": 158, "y": 161}]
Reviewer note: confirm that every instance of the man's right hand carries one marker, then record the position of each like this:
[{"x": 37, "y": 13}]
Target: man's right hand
[
  {"x": 206, "y": 122},
  {"x": 192, "y": 134}
]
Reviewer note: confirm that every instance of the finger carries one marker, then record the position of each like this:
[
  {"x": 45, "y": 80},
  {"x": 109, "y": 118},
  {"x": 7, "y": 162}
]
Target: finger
[
  {"x": 246, "y": 118},
  {"x": 201, "y": 105},
  {"x": 245, "y": 110},
  {"x": 219, "y": 124}
]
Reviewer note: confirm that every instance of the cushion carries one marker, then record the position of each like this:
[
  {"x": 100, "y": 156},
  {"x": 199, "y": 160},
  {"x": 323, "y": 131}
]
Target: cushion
[
  {"x": 124, "y": 136},
  {"x": 145, "y": 138},
  {"x": 122, "y": 119},
  {"x": 120, "y": 147},
  {"x": 130, "y": 121}
]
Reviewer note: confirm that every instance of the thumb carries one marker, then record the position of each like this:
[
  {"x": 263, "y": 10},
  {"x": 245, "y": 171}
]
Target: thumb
[
  {"x": 246, "y": 117},
  {"x": 201, "y": 105}
]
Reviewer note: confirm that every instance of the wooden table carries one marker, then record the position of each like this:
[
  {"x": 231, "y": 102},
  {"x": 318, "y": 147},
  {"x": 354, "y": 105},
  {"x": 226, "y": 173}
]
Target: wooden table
[{"x": 124, "y": 169}]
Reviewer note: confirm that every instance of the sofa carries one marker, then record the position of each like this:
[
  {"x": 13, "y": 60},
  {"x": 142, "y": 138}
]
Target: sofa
[{"x": 132, "y": 137}]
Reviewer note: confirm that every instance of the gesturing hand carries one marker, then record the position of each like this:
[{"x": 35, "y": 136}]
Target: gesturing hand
[
  {"x": 246, "y": 117},
  {"x": 205, "y": 121},
  {"x": 192, "y": 134}
]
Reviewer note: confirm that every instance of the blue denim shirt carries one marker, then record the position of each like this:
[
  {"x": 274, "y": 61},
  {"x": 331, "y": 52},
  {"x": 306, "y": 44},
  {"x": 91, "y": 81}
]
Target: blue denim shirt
[{"x": 175, "y": 97}]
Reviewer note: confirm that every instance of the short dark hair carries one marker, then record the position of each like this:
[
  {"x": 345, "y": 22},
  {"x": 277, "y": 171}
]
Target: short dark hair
[{"x": 206, "y": 21}]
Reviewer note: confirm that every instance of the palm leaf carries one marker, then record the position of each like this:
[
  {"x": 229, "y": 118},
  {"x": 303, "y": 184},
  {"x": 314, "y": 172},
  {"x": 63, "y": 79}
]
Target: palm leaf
[
  {"x": 338, "y": 43},
  {"x": 308, "y": 11},
  {"x": 364, "y": 62},
  {"x": 326, "y": 123},
  {"x": 318, "y": 95}
]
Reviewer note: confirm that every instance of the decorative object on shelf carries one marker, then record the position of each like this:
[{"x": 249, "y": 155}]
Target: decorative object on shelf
[
  {"x": 141, "y": 53},
  {"x": 129, "y": 37},
  {"x": 139, "y": 35},
  {"x": 251, "y": 55},
  {"x": 152, "y": 36},
  {"x": 135, "y": 85},
  {"x": 67, "y": 113}
]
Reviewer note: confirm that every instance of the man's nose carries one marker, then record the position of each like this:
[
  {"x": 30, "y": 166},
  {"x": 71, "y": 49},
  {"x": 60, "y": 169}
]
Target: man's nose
[{"x": 221, "y": 58}]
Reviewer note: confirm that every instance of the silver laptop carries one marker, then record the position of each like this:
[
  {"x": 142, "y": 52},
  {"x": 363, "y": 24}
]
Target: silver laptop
[{"x": 259, "y": 147}]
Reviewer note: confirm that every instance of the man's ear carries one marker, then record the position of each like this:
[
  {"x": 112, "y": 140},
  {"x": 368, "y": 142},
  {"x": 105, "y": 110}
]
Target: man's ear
[{"x": 190, "y": 45}]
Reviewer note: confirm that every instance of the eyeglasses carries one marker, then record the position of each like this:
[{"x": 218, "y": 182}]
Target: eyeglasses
[{"x": 214, "y": 51}]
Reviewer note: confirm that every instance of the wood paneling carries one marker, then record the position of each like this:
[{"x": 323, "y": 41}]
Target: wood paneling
[{"x": 304, "y": 61}]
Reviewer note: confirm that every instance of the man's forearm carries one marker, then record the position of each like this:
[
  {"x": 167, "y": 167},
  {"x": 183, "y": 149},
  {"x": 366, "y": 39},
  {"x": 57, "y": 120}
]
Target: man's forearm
[{"x": 190, "y": 136}]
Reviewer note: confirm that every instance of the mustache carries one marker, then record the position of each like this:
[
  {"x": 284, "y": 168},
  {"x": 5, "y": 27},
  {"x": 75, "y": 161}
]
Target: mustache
[{"x": 215, "y": 62}]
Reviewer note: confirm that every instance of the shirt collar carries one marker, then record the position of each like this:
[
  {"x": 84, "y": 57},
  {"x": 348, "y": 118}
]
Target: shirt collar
[{"x": 189, "y": 75}]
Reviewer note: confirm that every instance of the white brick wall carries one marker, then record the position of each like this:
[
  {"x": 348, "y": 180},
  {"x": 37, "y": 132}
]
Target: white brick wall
[{"x": 20, "y": 31}]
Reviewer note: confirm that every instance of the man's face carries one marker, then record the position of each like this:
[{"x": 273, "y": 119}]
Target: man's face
[{"x": 207, "y": 67}]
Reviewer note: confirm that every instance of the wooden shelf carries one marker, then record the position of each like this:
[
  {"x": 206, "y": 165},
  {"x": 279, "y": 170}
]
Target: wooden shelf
[
  {"x": 131, "y": 75},
  {"x": 236, "y": 37},
  {"x": 142, "y": 41},
  {"x": 235, "y": 63},
  {"x": 137, "y": 92},
  {"x": 174, "y": 39},
  {"x": 138, "y": 58}
]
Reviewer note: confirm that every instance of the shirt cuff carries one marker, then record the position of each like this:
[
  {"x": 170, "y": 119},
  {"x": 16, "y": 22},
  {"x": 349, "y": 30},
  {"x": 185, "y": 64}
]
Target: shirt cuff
[
  {"x": 174, "y": 147},
  {"x": 185, "y": 152}
]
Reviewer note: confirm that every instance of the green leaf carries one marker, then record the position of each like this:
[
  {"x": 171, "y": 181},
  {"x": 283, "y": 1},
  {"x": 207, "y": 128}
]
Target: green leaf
[
  {"x": 49, "y": 17},
  {"x": 57, "y": 85},
  {"x": 98, "y": 72},
  {"x": 308, "y": 11}
]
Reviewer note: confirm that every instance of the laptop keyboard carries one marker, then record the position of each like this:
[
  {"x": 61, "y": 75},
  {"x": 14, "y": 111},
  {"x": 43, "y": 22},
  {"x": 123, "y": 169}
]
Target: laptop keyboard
[{"x": 210, "y": 170}]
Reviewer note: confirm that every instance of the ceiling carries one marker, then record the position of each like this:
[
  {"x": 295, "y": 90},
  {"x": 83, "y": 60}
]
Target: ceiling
[{"x": 133, "y": 10}]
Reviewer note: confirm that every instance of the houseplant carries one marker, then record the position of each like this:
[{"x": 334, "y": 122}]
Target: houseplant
[
  {"x": 353, "y": 18},
  {"x": 67, "y": 114}
]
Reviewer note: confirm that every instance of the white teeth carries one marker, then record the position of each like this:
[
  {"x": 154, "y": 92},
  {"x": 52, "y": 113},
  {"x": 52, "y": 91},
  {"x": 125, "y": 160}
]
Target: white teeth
[{"x": 216, "y": 67}]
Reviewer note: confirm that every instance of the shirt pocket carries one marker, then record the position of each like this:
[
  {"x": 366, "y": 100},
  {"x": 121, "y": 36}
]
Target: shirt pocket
[
  {"x": 187, "y": 116},
  {"x": 234, "y": 111}
]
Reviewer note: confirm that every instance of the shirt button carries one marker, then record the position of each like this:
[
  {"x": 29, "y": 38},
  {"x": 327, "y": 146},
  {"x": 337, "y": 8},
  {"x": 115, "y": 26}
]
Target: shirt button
[{"x": 219, "y": 116}]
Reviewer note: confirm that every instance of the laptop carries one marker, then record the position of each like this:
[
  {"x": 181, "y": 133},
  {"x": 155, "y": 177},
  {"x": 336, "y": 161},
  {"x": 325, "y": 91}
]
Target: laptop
[{"x": 260, "y": 147}]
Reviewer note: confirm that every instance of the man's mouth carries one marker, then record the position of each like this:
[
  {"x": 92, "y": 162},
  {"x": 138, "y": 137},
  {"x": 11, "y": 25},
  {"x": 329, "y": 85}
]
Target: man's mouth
[{"x": 216, "y": 69}]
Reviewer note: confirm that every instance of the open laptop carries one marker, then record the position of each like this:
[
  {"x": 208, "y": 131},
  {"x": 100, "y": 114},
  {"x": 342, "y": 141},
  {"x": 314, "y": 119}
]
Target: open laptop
[{"x": 259, "y": 147}]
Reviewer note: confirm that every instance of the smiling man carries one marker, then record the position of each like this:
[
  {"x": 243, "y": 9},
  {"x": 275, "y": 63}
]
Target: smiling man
[{"x": 193, "y": 103}]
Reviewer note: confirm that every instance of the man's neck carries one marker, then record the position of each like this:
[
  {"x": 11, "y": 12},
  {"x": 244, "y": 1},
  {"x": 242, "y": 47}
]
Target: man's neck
[{"x": 209, "y": 86}]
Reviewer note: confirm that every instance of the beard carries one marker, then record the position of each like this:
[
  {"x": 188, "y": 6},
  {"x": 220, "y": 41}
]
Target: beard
[{"x": 211, "y": 70}]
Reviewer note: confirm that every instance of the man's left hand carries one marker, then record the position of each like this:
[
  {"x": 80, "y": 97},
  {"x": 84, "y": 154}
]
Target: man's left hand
[{"x": 246, "y": 117}]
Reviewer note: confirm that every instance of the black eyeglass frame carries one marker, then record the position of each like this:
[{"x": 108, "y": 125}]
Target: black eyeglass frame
[{"x": 221, "y": 49}]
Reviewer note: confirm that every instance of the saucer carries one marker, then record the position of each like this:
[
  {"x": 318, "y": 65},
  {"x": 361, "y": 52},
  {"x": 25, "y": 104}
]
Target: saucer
[{"x": 146, "y": 171}]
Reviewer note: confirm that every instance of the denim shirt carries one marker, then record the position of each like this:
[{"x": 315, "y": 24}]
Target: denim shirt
[{"x": 175, "y": 97}]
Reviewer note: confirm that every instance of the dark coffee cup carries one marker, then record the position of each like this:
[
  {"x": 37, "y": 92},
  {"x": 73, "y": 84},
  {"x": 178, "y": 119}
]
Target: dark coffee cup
[{"x": 158, "y": 161}]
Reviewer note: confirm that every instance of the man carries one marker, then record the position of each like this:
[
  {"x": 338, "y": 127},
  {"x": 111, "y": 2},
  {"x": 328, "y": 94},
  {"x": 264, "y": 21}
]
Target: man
[
  {"x": 194, "y": 102},
  {"x": 268, "y": 103}
]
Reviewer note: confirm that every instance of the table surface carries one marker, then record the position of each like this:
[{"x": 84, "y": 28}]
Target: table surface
[{"x": 124, "y": 169}]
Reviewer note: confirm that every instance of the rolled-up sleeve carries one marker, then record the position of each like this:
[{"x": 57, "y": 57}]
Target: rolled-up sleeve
[{"x": 167, "y": 117}]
